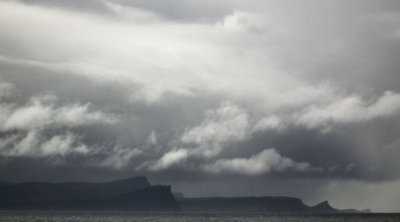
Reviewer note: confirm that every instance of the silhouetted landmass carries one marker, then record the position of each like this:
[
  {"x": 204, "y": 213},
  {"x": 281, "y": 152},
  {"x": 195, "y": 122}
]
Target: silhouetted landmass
[
  {"x": 137, "y": 194},
  {"x": 153, "y": 198},
  {"x": 323, "y": 207},
  {"x": 129, "y": 194},
  {"x": 355, "y": 211},
  {"x": 259, "y": 204},
  {"x": 255, "y": 204}
]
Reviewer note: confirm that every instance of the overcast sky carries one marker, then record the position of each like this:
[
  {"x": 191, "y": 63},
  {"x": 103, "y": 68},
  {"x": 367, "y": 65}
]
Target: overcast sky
[{"x": 215, "y": 97}]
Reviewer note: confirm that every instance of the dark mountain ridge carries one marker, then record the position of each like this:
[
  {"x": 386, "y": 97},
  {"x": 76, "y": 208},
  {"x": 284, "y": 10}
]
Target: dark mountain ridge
[
  {"x": 265, "y": 204},
  {"x": 323, "y": 207},
  {"x": 258, "y": 204},
  {"x": 134, "y": 193},
  {"x": 138, "y": 194}
]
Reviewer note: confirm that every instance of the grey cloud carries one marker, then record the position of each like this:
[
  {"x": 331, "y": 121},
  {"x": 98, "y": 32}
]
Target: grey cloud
[
  {"x": 81, "y": 5},
  {"x": 202, "y": 11},
  {"x": 184, "y": 11}
]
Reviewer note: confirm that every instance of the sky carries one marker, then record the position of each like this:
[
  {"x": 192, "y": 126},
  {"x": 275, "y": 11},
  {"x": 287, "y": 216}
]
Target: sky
[{"x": 215, "y": 97}]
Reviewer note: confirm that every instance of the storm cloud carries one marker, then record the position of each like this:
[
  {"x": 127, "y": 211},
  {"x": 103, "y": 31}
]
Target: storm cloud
[{"x": 297, "y": 98}]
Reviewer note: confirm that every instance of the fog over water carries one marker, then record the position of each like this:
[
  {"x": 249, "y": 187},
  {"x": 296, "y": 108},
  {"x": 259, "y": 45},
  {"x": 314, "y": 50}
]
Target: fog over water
[{"x": 215, "y": 97}]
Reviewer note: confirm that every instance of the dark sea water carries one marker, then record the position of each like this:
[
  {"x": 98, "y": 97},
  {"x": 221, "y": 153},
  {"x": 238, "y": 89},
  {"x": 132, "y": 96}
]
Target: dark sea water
[{"x": 89, "y": 216}]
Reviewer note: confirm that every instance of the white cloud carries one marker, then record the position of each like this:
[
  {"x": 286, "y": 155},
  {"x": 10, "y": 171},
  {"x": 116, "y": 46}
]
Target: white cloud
[
  {"x": 25, "y": 127},
  {"x": 227, "y": 123},
  {"x": 151, "y": 56},
  {"x": 34, "y": 144},
  {"x": 27, "y": 146},
  {"x": 244, "y": 21},
  {"x": 350, "y": 109},
  {"x": 152, "y": 138},
  {"x": 40, "y": 112},
  {"x": 269, "y": 123},
  {"x": 263, "y": 162},
  {"x": 120, "y": 157},
  {"x": 156, "y": 57},
  {"x": 62, "y": 145},
  {"x": 169, "y": 159}
]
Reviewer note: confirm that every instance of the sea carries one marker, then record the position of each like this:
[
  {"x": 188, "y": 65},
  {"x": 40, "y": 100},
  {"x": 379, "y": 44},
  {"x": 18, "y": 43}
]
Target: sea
[{"x": 118, "y": 216}]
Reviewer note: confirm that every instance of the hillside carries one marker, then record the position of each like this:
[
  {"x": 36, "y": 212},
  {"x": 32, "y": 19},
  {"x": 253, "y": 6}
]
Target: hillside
[
  {"x": 258, "y": 204},
  {"x": 77, "y": 195}
]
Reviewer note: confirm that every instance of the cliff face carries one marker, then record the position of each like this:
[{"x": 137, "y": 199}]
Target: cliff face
[
  {"x": 136, "y": 194},
  {"x": 323, "y": 207},
  {"x": 131, "y": 194},
  {"x": 153, "y": 198}
]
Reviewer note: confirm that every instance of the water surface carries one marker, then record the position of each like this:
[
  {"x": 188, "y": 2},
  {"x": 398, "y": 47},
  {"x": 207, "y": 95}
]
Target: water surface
[{"x": 91, "y": 216}]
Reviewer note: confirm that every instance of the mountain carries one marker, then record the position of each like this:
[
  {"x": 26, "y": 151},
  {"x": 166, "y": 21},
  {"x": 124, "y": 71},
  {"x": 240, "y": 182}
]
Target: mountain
[
  {"x": 323, "y": 207},
  {"x": 254, "y": 204},
  {"x": 153, "y": 198},
  {"x": 137, "y": 194},
  {"x": 246, "y": 204},
  {"x": 134, "y": 193},
  {"x": 355, "y": 211}
]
